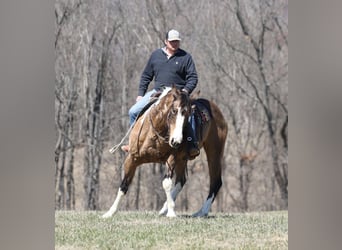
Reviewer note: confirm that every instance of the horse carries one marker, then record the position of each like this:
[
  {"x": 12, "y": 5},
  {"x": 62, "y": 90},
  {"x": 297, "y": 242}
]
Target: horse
[{"x": 158, "y": 135}]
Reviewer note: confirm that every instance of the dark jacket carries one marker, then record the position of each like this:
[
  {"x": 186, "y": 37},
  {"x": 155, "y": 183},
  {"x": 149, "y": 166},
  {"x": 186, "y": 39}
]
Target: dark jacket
[{"x": 179, "y": 70}]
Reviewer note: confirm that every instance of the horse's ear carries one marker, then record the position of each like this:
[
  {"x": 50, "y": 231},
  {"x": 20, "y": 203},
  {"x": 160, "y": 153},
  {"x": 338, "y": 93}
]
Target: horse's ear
[{"x": 174, "y": 88}]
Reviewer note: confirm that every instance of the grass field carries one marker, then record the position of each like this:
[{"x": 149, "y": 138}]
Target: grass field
[{"x": 146, "y": 230}]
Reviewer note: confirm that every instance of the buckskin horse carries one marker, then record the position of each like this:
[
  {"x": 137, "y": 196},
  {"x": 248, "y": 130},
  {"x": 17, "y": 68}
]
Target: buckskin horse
[{"x": 158, "y": 136}]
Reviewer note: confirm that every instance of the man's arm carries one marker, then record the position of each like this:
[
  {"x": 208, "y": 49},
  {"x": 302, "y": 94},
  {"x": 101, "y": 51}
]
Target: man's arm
[
  {"x": 191, "y": 76},
  {"x": 146, "y": 78}
]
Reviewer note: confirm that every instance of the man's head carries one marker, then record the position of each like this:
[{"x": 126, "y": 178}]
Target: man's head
[{"x": 172, "y": 40}]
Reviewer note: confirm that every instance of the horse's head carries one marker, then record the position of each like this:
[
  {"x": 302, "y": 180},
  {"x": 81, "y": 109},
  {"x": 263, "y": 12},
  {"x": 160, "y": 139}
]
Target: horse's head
[{"x": 179, "y": 108}]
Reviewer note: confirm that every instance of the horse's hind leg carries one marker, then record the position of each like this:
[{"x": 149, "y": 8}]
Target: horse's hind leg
[
  {"x": 129, "y": 169},
  {"x": 215, "y": 185},
  {"x": 214, "y": 157}
]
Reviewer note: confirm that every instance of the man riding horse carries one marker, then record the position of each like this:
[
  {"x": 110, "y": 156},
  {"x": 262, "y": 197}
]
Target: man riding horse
[{"x": 168, "y": 66}]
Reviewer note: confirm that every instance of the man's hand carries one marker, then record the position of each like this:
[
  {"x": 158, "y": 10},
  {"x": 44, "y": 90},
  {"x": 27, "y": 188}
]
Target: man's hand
[
  {"x": 138, "y": 98},
  {"x": 185, "y": 91}
]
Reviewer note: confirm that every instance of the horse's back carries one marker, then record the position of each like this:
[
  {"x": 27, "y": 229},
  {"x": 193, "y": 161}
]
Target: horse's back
[
  {"x": 212, "y": 119},
  {"x": 218, "y": 117}
]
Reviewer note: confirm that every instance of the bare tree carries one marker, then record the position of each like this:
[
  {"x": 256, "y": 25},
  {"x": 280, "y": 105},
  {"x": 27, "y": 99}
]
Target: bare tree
[{"x": 264, "y": 84}]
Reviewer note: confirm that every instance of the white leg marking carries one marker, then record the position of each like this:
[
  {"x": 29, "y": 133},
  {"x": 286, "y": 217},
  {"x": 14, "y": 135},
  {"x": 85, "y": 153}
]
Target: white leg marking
[
  {"x": 163, "y": 211},
  {"x": 114, "y": 208},
  {"x": 174, "y": 192},
  {"x": 167, "y": 185},
  {"x": 205, "y": 208},
  {"x": 177, "y": 135}
]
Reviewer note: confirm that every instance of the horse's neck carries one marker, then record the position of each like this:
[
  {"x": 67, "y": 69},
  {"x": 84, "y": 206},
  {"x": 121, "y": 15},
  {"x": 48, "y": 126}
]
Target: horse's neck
[{"x": 158, "y": 118}]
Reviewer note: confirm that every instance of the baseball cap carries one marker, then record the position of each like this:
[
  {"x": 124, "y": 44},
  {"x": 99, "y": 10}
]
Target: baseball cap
[{"x": 173, "y": 35}]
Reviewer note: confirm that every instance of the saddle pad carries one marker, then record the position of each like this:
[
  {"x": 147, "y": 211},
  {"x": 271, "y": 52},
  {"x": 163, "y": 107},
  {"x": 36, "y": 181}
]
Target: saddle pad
[
  {"x": 202, "y": 111},
  {"x": 202, "y": 114}
]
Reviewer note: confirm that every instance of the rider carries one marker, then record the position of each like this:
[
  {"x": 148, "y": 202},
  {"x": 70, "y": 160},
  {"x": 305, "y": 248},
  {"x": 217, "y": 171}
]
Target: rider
[{"x": 168, "y": 65}]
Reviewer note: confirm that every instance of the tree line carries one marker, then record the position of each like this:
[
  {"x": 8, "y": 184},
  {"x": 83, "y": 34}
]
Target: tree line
[{"x": 240, "y": 49}]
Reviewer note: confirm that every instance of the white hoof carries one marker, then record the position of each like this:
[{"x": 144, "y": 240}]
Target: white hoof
[
  {"x": 107, "y": 215},
  {"x": 171, "y": 214},
  {"x": 163, "y": 211}
]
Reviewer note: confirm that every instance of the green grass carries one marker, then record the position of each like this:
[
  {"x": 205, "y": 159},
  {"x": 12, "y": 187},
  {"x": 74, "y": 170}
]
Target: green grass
[{"x": 146, "y": 230}]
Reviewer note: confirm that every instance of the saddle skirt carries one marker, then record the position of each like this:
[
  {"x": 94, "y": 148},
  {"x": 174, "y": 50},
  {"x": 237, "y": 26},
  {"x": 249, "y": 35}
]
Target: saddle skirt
[{"x": 202, "y": 114}]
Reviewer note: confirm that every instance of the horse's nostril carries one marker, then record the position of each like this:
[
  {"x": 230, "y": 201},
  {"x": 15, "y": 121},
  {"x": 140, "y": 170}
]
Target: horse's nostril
[{"x": 174, "y": 144}]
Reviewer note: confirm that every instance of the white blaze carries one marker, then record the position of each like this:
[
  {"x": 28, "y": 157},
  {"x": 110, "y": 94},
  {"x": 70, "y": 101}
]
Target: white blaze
[{"x": 178, "y": 131}]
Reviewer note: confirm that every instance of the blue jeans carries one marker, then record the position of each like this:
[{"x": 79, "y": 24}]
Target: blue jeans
[{"x": 138, "y": 106}]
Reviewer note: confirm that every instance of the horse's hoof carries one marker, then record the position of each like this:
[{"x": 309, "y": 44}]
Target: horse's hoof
[
  {"x": 171, "y": 214},
  {"x": 199, "y": 214},
  {"x": 107, "y": 215},
  {"x": 162, "y": 212}
]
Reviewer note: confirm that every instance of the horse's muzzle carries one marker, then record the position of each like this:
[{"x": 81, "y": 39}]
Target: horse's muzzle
[{"x": 174, "y": 143}]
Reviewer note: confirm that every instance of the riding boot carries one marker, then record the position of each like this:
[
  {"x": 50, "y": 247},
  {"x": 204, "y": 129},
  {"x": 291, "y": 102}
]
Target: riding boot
[
  {"x": 193, "y": 149},
  {"x": 125, "y": 148}
]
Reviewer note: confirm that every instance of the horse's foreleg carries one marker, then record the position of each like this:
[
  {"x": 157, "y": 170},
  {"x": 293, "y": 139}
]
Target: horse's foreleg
[
  {"x": 170, "y": 192},
  {"x": 174, "y": 192},
  {"x": 167, "y": 185},
  {"x": 180, "y": 181},
  {"x": 130, "y": 168}
]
